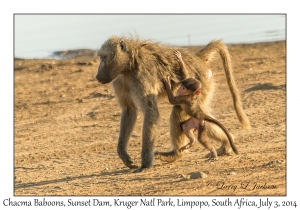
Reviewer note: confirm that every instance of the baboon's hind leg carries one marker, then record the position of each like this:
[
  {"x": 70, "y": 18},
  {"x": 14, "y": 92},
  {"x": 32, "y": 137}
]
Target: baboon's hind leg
[
  {"x": 215, "y": 132},
  {"x": 178, "y": 138},
  {"x": 203, "y": 139}
]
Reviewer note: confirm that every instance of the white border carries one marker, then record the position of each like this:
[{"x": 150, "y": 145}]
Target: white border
[{"x": 8, "y": 8}]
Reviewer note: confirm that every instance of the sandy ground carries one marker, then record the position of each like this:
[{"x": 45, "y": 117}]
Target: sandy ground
[{"x": 66, "y": 127}]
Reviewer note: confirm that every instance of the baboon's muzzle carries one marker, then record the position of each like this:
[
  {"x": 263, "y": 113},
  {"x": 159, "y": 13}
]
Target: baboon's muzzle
[{"x": 102, "y": 81}]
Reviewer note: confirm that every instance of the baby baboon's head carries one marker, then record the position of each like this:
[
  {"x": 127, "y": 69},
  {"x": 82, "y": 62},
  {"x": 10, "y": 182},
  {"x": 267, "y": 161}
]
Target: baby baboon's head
[{"x": 191, "y": 84}]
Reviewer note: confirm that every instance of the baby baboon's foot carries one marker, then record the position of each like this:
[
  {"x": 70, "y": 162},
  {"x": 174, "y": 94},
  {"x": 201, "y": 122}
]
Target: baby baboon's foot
[
  {"x": 224, "y": 151},
  {"x": 220, "y": 152},
  {"x": 213, "y": 156},
  {"x": 184, "y": 148},
  {"x": 211, "y": 160},
  {"x": 189, "y": 145}
]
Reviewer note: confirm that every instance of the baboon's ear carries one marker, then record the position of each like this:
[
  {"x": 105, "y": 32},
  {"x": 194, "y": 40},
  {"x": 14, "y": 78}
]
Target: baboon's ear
[
  {"x": 123, "y": 46},
  {"x": 198, "y": 91}
]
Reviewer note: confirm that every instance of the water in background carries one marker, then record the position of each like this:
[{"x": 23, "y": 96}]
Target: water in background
[{"x": 38, "y": 36}]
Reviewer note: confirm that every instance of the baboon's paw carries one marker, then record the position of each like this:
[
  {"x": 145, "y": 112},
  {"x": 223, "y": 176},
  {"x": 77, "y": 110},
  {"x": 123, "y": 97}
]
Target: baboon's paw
[
  {"x": 219, "y": 153},
  {"x": 141, "y": 169},
  {"x": 170, "y": 156},
  {"x": 161, "y": 156},
  {"x": 132, "y": 166},
  {"x": 213, "y": 159},
  {"x": 222, "y": 151}
]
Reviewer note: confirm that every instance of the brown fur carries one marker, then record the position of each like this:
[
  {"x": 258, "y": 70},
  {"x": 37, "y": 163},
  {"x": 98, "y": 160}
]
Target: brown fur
[{"x": 136, "y": 68}]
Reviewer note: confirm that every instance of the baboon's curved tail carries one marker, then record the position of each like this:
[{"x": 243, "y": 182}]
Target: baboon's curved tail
[
  {"x": 207, "y": 54},
  {"x": 209, "y": 119}
]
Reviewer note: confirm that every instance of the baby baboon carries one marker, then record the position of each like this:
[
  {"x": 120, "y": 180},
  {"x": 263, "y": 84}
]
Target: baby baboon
[
  {"x": 136, "y": 68},
  {"x": 187, "y": 98}
]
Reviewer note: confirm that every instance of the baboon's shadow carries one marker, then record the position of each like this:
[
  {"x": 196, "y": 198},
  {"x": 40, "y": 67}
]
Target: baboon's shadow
[
  {"x": 69, "y": 178},
  {"x": 265, "y": 86}
]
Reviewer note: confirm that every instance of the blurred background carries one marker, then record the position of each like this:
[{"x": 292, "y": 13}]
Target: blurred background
[{"x": 39, "y": 36}]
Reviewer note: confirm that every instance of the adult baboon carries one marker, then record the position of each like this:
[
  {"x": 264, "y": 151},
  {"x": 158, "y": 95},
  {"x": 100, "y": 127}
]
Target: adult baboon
[{"x": 137, "y": 68}]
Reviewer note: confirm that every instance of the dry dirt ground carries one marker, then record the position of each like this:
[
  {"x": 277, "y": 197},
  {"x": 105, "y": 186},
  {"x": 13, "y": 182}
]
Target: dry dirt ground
[{"x": 66, "y": 127}]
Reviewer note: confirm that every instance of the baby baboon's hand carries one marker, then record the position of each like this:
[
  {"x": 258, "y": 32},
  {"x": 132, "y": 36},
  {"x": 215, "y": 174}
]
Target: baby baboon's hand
[
  {"x": 167, "y": 81},
  {"x": 177, "y": 55},
  {"x": 164, "y": 80}
]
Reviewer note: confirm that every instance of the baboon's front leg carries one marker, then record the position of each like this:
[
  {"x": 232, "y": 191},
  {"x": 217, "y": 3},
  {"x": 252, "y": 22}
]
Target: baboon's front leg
[
  {"x": 151, "y": 117},
  {"x": 128, "y": 119}
]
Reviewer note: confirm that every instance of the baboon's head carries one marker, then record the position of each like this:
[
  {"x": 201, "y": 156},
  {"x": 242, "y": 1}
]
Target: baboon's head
[{"x": 114, "y": 60}]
